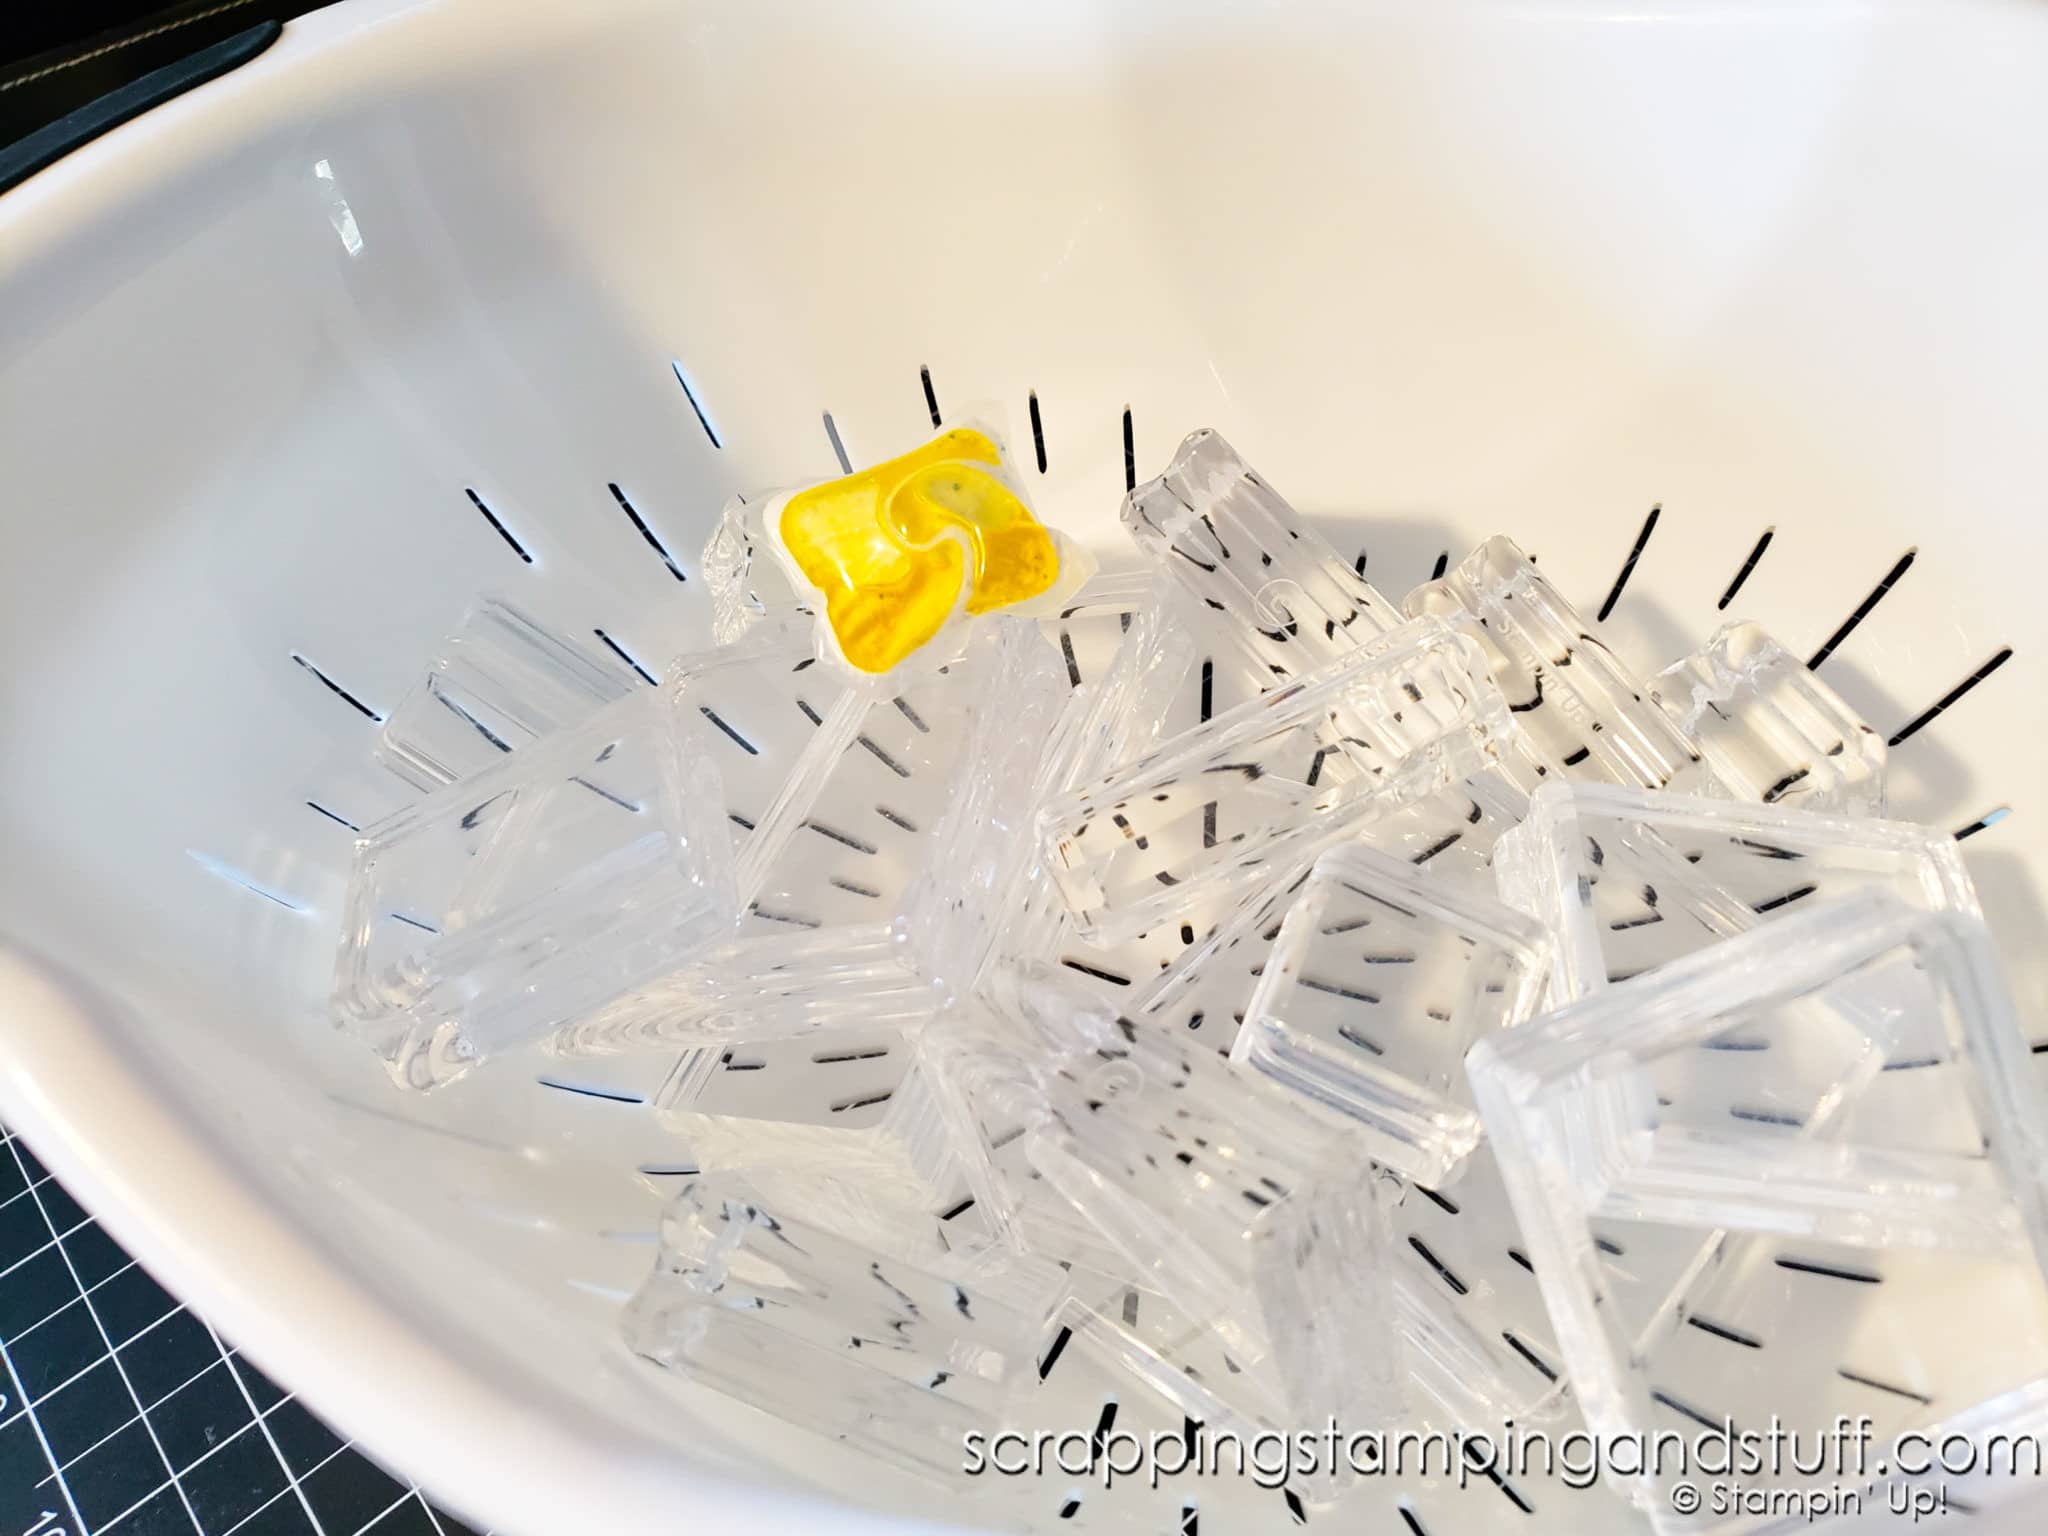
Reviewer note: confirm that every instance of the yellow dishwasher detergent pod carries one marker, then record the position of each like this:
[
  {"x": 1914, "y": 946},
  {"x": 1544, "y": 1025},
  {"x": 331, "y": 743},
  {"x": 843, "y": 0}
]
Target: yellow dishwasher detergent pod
[{"x": 889, "y": 557}]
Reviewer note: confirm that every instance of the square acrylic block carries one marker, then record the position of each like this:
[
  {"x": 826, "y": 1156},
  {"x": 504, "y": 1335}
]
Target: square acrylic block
[
  {"x": 504, "y": 679},
  {"x": 898, "y": 1359},
  {"x": 1803, "y": 1139},
  {"x": 1379, "y": 981},
  {"x": 1243, "y": 553},
  {"x": 1269, "y": 784},
  {"x": 1582, "y": 708},
  {"x": 1628, "y": 880},
  {"x": 1770, "y": 728},
  {"x": 1261, "y": 1225},
  {"x": 501, "y": 907}
]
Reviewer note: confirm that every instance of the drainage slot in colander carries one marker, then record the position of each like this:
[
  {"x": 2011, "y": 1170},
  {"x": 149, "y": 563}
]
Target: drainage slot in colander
[
  {"x": 697, "y": 405},
  {"x": 624, "y": 655},
  {"x": 247, "y": 882},
  {"x": 492, "y": 518},
  {"x": 1863, "y": 608},
  {"x": 1914, "y": 725},
  {"x": 607, "y": 1094},
  {"x": 1988, "y": 819},
  {"x": 646, "y": 532},
  {"x": 338, "y": 817},
  {"x": 1628, "y": 566},
  {"x": 838, "y": 447},
  {"x": 1748, "y": 565},
  {"x": 337, "y": 690}
]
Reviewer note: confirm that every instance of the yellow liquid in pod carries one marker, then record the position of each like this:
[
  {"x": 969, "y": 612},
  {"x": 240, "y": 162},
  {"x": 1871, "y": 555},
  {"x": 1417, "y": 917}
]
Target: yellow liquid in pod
[{"x": 889, "y": 547}]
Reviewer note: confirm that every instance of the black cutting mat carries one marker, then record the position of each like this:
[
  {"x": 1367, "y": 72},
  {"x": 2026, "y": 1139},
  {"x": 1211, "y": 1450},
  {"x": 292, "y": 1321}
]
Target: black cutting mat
[{"x": 122, "y": 1412}]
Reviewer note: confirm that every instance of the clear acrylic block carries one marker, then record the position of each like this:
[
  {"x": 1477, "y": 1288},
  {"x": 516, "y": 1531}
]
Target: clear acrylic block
[
  {"x": 1450, "y": 836},
  {"x": 989, "y": 1061},
  {"x": 747, "y": 989},
  {"x": 1770, "y": 728},
  {"x": 1478, "y": 1345},
  {"x": 1220, "y": 1195},
  {"x": 895, "y": 1358},
  {"x": 757, "y": 1105},
  {"x": 836, "y": 791},
  {"x": 1628, "y": 880},
  {"x": 1379, "y": 981},
  {"x": 1242, "y": 552},
  {"x": 502, "y": 907},
  {"x": 503, "y": 680},
  {"x": 1270, "y": 783},
  {"x": 950, "y": 920},
  {"x": 1747, "y": 1083},
  {"x": 1582, "y": 708},
  {"x": 1802, "y": 1136}
]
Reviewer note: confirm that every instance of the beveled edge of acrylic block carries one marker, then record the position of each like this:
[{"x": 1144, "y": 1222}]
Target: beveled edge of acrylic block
[
  {"x": 1494, "y": 561},
  {"x": 1647, "y": 741},
  {"x": 579, "y": 671},
  {"x": 425, "y": 1049},
  {"x": 1533, "y": 872},
  {"x": 1289, "y": 705},
  {"x": 1690, "y": 999},
  {"x": 1203, "y": 468},
  {"x": 1304, "y": 1067},
  {"x": 1687, "y": 1002},
  {"x": 559, "y": 752},
  {"x": 1513, "y": 1073},
  {"x": 1764, "y": 656}
]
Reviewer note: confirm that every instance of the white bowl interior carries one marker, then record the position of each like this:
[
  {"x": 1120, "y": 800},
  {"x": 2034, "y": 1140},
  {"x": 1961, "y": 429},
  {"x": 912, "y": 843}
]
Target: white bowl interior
[{"x": 1440, "y": 273}]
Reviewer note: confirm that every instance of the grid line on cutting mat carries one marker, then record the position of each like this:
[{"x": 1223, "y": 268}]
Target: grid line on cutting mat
[{"x": 122, "y": 1412}]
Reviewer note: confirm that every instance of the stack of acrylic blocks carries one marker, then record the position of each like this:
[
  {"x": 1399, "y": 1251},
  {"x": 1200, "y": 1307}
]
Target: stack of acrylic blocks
[{"x": 1240, "y": 927}]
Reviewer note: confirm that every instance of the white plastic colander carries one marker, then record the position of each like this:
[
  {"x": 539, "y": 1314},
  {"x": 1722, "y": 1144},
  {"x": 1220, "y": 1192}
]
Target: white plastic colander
[{"x": 447, "y": 297}]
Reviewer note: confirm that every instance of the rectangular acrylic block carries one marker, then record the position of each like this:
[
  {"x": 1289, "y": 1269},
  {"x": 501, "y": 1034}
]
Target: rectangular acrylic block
[
  {"x": 1379, "y": 981},
  {"x": 1581, "y": 707},
  {"x": 1627, "y": 880},
  {"x": 501, "y": 907},
  {"x": 1477, "y": 1342},
  {"x": 846, "y": 1106},
  {"x": 1855, "y": 1074},
  {"x": 895, "y": 1358},
  {"x": 1450, "y": 836},
  {"x": 894, "y": 839},
  {"x": 1270, "y": 783},
  {"x": 504, "y": 679},
  {"x": 834, "y": 790},
  {"x": 1243, "y": 553},
  {"x": 1770, "y": 728},
  {"x": 1217, "y": 1193},
  {"x": 1801, "y": 1140},
  {"x": 987, "y": 1059},
  {"x": 951, "y": 916},
  {"x": 747, "y": 989}
]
